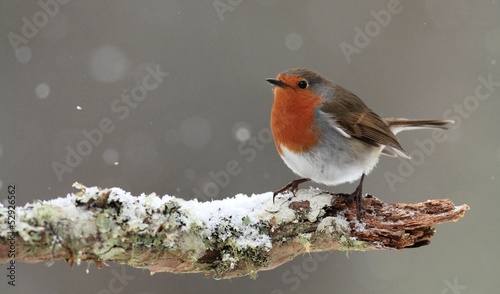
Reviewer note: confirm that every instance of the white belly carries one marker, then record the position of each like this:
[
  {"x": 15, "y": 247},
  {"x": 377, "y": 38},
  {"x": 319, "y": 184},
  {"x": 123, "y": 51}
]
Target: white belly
[{"x": 329, "y": 168}]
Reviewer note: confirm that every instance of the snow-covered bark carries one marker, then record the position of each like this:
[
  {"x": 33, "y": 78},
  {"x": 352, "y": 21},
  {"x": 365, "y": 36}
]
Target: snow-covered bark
[{"x": 231, "y": 237}]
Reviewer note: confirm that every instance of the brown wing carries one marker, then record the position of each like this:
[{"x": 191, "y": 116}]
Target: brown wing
[{"x": 359, "y": 121}]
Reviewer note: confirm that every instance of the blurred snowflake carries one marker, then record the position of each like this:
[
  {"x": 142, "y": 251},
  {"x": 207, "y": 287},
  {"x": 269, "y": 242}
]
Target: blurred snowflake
[
  {"x": 294, "y": 41},
  {"x": 108, "y": 64},
  {"x": 241, "y": 131},
  {"x": 111, "y": 156},
  {"x": 195, "y": 132},
  {"x": 42, "y": 90},
  {"x": 23, "y": 54}
]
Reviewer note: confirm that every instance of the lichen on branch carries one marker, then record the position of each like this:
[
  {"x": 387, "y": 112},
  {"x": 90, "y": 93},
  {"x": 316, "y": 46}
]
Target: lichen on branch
[{"x": 227, "y": 238}]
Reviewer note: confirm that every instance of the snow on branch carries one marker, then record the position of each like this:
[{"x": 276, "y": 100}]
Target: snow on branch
[{"x": 227, "y": 238}]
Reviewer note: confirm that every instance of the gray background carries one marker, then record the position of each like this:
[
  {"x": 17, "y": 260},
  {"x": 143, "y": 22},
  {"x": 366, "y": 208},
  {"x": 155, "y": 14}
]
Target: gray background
[{"x": 422, "y": 64}]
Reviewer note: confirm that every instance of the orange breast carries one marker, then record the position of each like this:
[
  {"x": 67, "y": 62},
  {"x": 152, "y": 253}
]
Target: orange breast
[{"x": 292, "y": 120}]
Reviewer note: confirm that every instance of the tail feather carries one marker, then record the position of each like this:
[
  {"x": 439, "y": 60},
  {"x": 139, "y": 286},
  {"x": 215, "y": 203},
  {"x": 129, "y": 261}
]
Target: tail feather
[{"x": 402, "y": 124}]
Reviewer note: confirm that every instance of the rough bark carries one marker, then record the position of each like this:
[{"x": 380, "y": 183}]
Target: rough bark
[{"x": 227, "y": 238}]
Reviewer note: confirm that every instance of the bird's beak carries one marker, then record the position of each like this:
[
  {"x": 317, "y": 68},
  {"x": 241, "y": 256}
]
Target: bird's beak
[{"x": 276, "y": 82}]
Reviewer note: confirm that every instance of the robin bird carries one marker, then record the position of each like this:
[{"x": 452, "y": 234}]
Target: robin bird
[{"x": 327, "y": 134}]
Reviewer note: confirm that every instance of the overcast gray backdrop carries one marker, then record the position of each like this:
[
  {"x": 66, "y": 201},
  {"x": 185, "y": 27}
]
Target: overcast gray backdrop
[{"x": 65, "y": 66}]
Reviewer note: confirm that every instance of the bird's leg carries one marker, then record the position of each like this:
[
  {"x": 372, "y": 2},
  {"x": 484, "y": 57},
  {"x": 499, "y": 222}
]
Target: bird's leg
[
  {"x": 356, "y": 196},
  {"x": 293, "y": 186}
]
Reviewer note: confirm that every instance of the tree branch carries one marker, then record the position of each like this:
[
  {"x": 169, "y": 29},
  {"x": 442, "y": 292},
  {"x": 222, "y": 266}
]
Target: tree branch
[{"x": 229, "y": 238}]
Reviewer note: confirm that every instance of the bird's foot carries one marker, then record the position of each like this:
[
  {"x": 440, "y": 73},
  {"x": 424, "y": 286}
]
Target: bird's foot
[
  {"x": 293, "y": 186},
  {"x": 356, "y": 197}
]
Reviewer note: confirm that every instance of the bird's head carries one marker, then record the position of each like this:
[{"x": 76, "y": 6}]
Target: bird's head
[{"x": 300, "y": 84}]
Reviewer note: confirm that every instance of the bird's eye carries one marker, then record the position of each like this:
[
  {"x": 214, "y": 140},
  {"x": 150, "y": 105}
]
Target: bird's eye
[{"x": 302, "y": 84}]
